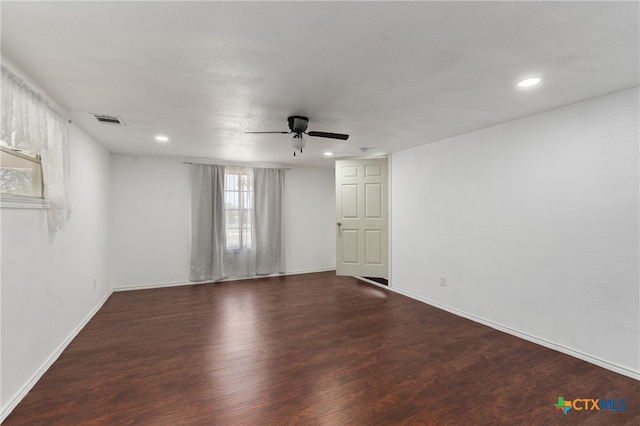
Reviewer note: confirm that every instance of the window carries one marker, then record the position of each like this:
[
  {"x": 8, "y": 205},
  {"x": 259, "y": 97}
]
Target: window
[
  {"x": 20, "y": 174},
  {"x": 31, "y": 125},
  {"x": 236, "y": 228},
  {"x": 238, "y": 204}
]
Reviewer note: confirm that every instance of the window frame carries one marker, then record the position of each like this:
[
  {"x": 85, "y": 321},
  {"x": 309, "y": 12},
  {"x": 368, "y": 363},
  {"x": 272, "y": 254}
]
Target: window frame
[{"x": 8, "y": 200}]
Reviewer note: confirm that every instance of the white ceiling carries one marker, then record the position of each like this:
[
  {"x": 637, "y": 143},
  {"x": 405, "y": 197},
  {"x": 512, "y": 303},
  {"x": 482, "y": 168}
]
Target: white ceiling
[{"x": 392, "y": 75}]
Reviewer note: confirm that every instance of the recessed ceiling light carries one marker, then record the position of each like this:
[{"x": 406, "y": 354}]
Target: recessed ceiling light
[
  {"x": 328, "y": 154},
  {"x": 162, "y": 138},
  {"x": 528, "y": 82}
]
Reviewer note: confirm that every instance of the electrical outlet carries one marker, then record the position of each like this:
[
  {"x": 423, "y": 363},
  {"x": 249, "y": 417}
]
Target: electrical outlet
[{"x": 443, "y": 281}]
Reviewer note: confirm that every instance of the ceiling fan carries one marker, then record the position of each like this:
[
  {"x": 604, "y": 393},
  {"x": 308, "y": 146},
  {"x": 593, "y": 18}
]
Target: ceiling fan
[{"x": 298, "y": 126}]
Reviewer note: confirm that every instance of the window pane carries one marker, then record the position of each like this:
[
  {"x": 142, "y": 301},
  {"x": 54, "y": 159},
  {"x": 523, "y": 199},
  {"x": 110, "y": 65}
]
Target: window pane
[
  {"x": 244, "y": 183},
  {"x": 231, "y": 181},
  {"x": 233, "y": 219},
  {"x": 246, "y": 219},
  {"x": 233, "y": 238},
  {"x": 246, "y": 238},
  {"x": 231, "y": 200},
  {"x": 247, "y": 200},
  {"x": 20, "y": 176}
]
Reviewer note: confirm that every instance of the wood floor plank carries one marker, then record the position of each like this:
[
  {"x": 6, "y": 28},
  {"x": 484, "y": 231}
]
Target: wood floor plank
[{"x": 313, "y": 349}]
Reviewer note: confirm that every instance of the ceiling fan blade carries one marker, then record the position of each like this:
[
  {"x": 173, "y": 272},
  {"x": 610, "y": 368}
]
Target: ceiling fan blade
[
  {"x": 284, "y": 133},
  {"x": 329, "y": 135}
]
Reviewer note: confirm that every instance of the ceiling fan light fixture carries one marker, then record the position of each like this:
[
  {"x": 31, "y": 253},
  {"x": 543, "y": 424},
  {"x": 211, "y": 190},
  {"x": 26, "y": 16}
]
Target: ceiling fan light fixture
[{"x": 297, "y": 143}]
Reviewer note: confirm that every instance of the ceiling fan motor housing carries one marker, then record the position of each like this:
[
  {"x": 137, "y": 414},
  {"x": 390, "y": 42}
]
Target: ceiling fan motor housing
[{"x": 298, "y": 124}]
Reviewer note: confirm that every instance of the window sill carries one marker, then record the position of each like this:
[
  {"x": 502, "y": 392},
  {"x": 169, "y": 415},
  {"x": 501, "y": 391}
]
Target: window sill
[{"x": 17, "y": 202}]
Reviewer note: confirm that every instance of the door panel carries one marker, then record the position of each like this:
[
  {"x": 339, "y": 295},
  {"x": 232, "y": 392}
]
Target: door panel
[
  {"x": 373, "y": 247},
  {"x": 373, "y": 200},
  {"x": 361, "y": 217},
  {"x": 372, "y": 170},
  {"x": 350, "y": 246},
  {"x": 350, "y": 171},
  {"x": 350, "y": 201}
]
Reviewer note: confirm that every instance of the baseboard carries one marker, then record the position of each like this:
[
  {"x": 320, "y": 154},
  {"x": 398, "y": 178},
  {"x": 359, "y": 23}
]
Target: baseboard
[
  {"x": 154, "y": 285},
  {"x": 13, "y": 402},
  {"x": 309, "y": 271},
  {"x": 181, "y": 283},
  {"x": 534, "y": 339}
]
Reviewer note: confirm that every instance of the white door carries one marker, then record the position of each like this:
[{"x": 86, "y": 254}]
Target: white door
[{"x": 361, "y": 218}]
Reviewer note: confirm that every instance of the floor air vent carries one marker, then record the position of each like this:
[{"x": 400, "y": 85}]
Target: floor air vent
[{"x": 109, "y": 119}]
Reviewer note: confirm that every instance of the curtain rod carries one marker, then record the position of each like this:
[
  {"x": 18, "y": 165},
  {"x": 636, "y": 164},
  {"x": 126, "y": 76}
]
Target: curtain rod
[{"x": 236, "y": 165}]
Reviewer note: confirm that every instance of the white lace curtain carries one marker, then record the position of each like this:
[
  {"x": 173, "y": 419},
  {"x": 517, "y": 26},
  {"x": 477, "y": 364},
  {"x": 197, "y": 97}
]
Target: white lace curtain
[
  {"x": 210, "y": 257},
  {"x": 30, "y": 124}
]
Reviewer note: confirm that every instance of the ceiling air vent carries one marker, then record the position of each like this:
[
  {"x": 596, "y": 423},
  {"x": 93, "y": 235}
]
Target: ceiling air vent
[{"x": 109, "y": 119}]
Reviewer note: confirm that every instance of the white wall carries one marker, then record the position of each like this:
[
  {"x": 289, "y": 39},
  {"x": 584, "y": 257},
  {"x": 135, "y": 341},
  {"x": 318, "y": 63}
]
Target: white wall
[
  {"x": 151, "y": 220},
  {"x": 535, "y": 225},
  {"x": 48, "y": 284}
]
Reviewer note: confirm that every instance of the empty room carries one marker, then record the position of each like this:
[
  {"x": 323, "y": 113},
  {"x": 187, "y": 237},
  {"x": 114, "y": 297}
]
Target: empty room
[{"x": 320, "y": 213}]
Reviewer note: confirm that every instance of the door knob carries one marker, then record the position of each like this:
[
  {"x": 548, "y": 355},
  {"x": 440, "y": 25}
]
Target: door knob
[{"x": 339, "y": 224}]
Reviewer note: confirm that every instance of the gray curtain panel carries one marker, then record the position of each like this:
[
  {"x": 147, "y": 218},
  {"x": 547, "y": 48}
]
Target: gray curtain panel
[
  {"x": 207, "y": 222},
  {"x": 269, "y": 230},
  {"x": 210, "y": 259}
]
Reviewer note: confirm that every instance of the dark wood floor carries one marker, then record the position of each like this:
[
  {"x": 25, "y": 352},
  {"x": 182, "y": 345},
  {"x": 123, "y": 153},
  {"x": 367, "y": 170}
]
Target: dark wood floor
[{"x": 311, "y": 349}]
